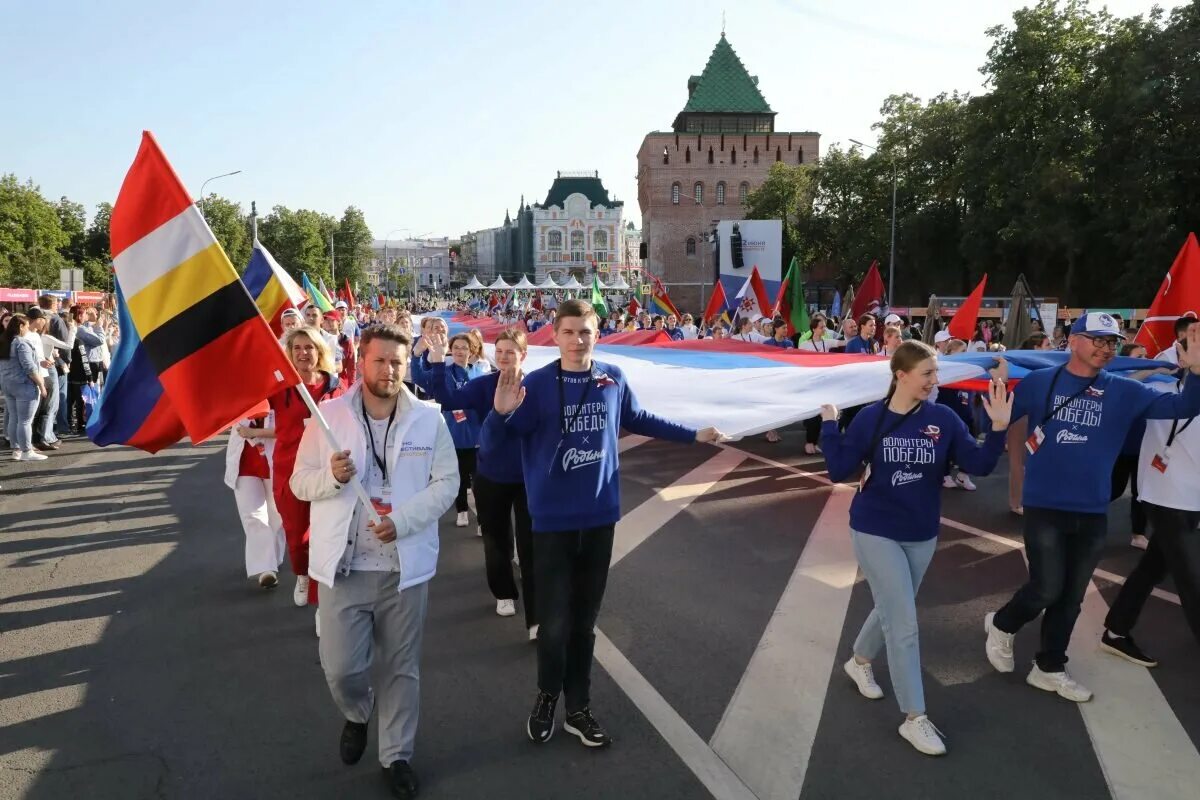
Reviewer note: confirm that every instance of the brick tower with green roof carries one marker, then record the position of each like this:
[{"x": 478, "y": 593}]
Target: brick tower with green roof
[{"x": 720, "y": 147}]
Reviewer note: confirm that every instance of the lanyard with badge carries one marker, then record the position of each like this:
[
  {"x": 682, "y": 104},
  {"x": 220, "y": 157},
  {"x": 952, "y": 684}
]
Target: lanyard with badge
[
  {"x": 383, "y": 502},
  {"x": 1162, "y": 460},
  {"x": 565, "y": 424},
  {"x": 1038, "y": 436}
]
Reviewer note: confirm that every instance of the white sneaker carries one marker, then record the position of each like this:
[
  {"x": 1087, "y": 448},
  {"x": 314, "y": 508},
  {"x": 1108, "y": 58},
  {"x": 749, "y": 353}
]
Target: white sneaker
[
  {"x": 533, "y": 633},
  {"x": 923, "y": 735},
  {"x": 1060, "y": 683},
  {"x": 506, "y": 608},
  {"x": 461, "y": 521},
  {"x": 864, "y": 678},
  {"x": 268, "y": 580},
  {"x": 317, "y": 617},
  {"x": 18, "y": 455},
  {"x": 964, "y": 480},
  {"x": 948, "y": 482},
  {"x": 999, "y": 646},
  {"x": 34, "y": 455},
  {"x": 1140, "y": 542},
  {"x": 300, "y": 593}
]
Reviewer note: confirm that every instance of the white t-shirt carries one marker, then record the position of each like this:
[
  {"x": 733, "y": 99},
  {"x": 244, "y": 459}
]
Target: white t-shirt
[
  {"x": 334, "y": 348},
  {"x": 752, "y": 336},
  {"x": 815, "y": 346},
  {"x": 1179, "y": 486},
  {"x": 350, "y": 326},
  {"x": 689, "y": 331},
  {"x": 368, "y": 554},
  {"x": 39, "y": 354}
]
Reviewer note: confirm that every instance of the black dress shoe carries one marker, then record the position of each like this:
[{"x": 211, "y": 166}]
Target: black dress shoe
[
  {"x": 354, "y": 742},
  {"x": 402, "y": 780}
]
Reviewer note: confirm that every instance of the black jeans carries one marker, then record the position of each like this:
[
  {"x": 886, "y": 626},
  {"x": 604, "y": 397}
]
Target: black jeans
[
  {"x": 497, "y": 504},
  {"x": 1174, "y": 548},
  {"x": 571, "y": 571},
  {"x": 1125, "y": 471},
  {"x": 466, "y": 470},
  {"x": 1063, "y": 549}
]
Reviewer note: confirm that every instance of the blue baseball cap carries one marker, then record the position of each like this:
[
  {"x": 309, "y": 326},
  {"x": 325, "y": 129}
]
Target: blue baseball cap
[{"x": 1097, "y": 323}]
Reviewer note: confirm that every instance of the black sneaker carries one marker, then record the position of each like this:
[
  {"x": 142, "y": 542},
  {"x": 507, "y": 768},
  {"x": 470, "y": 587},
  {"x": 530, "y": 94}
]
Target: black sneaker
[
  {"x": 354, "y": 741},
  {"x": 402, "y": 780},
  {"x": 540, "y": 726},
  {"x": 584, "y": 725},
  {"x": 1126, "y": 648}
]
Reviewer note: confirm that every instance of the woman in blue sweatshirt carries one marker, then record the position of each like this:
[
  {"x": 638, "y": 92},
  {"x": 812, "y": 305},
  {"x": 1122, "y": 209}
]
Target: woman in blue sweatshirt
[
  {"x": 463, "y": 422},
  {"x": 498, "y": 484},
  {"x": 905, "y": 442}
]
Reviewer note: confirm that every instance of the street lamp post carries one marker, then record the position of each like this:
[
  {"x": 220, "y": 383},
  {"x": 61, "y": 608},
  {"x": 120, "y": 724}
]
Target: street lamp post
[
  {"x": 892, "y": 253},
  {"x": 203, "y": 209}
]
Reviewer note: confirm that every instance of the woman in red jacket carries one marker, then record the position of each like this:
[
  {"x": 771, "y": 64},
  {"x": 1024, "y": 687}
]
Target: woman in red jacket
[{"x": 311, "y": 357}]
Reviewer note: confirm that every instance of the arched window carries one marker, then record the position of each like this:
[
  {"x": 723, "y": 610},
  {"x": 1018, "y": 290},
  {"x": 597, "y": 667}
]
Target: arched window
[
  {"x": 778, "y": 154},
  {"x": 687, "y": 155},
  {"x": 554, "y": 240},
  {"x": 799, "y": 155},
  {"x": 721, "y": 193},
  {"x": 743, "y": 190},
  {"x": 756, "y": 154},
  {"x": 600, "y": 240},
  {"x": 710, "y": 154},
  {"x": 675, "y": 193},
  {"x": 691, "y": 246},
  {"x": 698, "y": 192},
  {"x": 576, "y": 240}
]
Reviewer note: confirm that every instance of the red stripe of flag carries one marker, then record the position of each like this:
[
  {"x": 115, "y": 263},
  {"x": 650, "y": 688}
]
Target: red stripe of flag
[{"x": 151, "y": 195}]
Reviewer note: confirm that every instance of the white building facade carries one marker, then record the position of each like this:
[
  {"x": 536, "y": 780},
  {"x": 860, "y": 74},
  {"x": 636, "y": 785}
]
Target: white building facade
[{"x": 577, "y": 227}]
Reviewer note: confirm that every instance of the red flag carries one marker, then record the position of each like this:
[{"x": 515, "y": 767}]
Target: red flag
[
  {"x": 752, "y": 299},
  {"x": 870, "y": 298},
  {"x": 537, "y": 301},
  {"x": 349, "y": 298},
  {"x": 1179, "y": 296},
  {"x": 659, "y": 297},
  {"x": 493, "y": 301},
  {"x": 962, "y": 325},
  {"x": 633, "y": 306},
  {"x": 716, "y": 304}
]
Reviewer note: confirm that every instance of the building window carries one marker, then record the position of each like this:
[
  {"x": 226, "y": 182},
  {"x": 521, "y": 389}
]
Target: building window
[
  {"x": 687, "y": 155},
  {"x": 698, "y": 192},
  {"x": 691, "y": 246},
  {"x": 675, "y": 193},
  {"x": 576, "y": 240},
  {"x": 756, "y": 154},
  {"x": 743, "y": 190},
  {"x": 600, "y": 240},
  {"x": 778, "y": 154},
  {"x": 733, "y": 155},
  {"x": 799, "y": 155},
  {"x": 666, "y": 158},
  {"x": 721, "y": 193},
  {"x": 710, "y": 154},
  {"x": 554, "y": 240}
]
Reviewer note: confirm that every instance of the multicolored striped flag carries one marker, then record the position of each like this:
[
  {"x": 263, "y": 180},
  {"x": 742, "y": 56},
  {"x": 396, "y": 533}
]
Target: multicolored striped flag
[
  {"x": 315, "y": 296},
  {"x": 195, "y": 353},
  {"x": 273, "y": 290}
]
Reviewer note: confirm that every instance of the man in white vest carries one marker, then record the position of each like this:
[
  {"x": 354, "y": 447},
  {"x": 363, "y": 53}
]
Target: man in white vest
[{"x": 374, "y": 576}]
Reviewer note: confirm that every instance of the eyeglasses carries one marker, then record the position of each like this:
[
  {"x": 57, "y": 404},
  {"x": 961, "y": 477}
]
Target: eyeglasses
[{"x": 1105, "y": 343}]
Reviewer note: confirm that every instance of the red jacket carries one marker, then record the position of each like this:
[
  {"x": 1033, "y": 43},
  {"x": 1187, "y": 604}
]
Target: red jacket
[{"x": 291, "y": 414}]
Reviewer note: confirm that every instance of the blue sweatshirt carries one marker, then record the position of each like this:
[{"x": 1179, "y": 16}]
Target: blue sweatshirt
[
  {"x": 860, "y": 345},
  {"x": 784, "y": 343},
  {"x": 902, "y": 498},
  {"x": 499, "y": 456},
  {"x": 1072, "y": 468},
  {"x": 571, "y": 478}
]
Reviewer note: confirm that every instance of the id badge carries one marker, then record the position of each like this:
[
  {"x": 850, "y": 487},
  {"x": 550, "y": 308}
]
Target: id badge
[
  {"x": 383, "y": 503},
  {"x": 1161, "y": 461},
  {"x": 1035, "y": 440},
  {"x": 459, "y": 416}
]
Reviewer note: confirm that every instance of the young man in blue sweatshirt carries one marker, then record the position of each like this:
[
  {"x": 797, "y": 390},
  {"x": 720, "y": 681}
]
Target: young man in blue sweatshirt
[
  {"x": 1079, "y": 416},
  {"x": 568, "y": 415}
]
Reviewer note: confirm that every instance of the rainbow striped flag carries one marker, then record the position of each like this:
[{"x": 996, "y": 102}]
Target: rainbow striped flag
[
  {"x": 273, "y": 290},
  {"x": 315, "y": 296},
  {"x": 195, "y": 353}
]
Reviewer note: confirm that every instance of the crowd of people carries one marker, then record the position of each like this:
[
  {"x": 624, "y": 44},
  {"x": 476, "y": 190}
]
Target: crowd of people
[{"x": 414, "y": 421}]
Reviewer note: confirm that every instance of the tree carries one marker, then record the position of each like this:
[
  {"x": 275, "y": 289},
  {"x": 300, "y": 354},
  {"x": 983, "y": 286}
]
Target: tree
[
  {"x": 231, "y": 226},
  {"x": 353, "y": 246},
  {"x": 97, "y": 258},
  {"x": 73, "y": 221},
  {"x": 299, "y": 240},
  {"x": 31, "y": 236}
]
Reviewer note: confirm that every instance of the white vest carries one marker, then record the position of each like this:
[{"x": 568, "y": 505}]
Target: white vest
[
  {"x": 233, "y": 452},
  {"x": 412, "y": 462}
]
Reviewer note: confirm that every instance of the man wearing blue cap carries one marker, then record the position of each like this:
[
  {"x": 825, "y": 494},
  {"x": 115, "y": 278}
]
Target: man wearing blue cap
[{"x": 1079, "y": 415}]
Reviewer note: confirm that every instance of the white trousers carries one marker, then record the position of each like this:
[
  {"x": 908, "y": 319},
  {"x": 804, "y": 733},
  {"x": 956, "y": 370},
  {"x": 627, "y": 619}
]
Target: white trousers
[{"x": 265, "y": 544}]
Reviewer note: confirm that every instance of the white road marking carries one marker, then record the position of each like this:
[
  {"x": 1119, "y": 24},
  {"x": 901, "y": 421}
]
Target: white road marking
[{"x": 767, "y": 732}]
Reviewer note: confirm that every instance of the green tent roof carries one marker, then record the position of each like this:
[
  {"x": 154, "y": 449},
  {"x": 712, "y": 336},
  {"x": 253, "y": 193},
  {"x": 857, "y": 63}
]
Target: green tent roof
[{"x": 725, "y": 86}]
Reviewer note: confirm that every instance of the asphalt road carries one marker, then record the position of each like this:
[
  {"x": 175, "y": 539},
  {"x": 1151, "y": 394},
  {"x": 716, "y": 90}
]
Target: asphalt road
[{"x": 136, "y": 661}]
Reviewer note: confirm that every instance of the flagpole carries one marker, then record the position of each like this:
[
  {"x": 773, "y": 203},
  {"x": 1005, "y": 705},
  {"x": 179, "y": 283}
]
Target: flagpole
[{"x": 333, "y": 443}]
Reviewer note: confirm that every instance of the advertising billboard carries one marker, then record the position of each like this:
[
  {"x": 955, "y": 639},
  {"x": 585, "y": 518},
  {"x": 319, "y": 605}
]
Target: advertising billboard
[{"x": 761, "y": 246}]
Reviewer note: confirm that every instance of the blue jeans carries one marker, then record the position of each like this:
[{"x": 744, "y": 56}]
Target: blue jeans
[
  {"x": 1063, "y": 549},
  {"x": 18, "y": 421},
  {"x": 46, "y": 433},
  {"x": 894, "y": 571},
  {"x": 62, "y": 420}
]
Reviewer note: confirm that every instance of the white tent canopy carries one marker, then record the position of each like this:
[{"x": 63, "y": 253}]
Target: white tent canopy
[
  {"x": 571, "y": 283},
  {"x": 499, "y": 284},
  {"x": 600, "y": 284},
  {"x": 524, "y": 284},
  {"x": 619, "y": 284},
  {"x": 548, "y": 284},
  {"x": 474, "y": 284}
]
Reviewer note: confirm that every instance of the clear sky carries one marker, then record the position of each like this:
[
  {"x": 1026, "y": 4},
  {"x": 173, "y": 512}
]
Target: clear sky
[{"x": 437, "y": 116}]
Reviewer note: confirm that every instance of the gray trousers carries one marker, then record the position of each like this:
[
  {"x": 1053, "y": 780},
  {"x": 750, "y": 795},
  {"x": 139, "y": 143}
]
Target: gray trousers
[{"x": 365, "y": 621}]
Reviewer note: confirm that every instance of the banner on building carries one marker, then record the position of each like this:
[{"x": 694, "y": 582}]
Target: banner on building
[{"x": 760, "y": 242}]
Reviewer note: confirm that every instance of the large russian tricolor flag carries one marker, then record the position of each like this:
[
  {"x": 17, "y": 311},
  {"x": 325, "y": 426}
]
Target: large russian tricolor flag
[{"x": 195, "y": 353}]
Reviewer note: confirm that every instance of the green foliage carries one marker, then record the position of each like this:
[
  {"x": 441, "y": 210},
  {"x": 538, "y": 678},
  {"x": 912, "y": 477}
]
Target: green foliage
[
  {"x": 299, "y": 240},
  {"x": 31, "y": 236},
  {"x": 231, "y": 226},
  {"x": 352, "y": 243}
]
